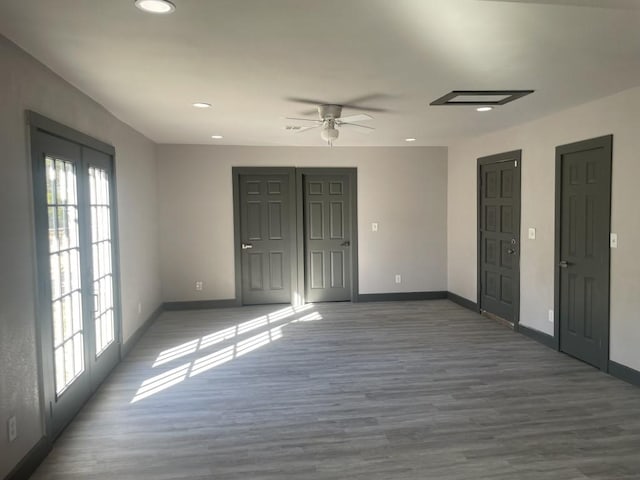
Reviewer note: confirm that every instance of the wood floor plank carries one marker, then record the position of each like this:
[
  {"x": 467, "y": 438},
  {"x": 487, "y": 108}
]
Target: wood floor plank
[{"x": 402, "y": 390}]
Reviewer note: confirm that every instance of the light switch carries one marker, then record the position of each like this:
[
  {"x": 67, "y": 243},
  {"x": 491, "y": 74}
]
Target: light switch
[
  {"x": 374, "y": 227},
  {"x": 532, "y": 234},
  {"x": 613, "y": 240}
]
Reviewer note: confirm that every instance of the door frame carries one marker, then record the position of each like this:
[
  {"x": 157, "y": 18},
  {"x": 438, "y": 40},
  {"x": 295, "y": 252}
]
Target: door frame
[
  {"x": 487, "y": 160},
  {"x": 352, "y": 175},
  {"x": 39, "y": 123},
  {"x": 605, "y": 142},
  {"x": 236, "y": 173}
]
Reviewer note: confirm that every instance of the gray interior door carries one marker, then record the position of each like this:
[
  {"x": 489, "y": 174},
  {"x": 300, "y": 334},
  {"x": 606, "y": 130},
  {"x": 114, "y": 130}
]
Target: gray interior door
[
  {"x": 583, "y": 249},
  {"x": 75, "y": 233},
  {"x": 265, "y": 222},
  {"x": 327, "y": 237},
  {"x": 499, "y": 235}
]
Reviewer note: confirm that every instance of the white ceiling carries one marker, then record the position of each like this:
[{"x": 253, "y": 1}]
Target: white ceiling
[{"x": 246, "y": 57}]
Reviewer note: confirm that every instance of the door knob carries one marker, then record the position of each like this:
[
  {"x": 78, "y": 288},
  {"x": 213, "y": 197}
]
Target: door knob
[
  {"x": 511, "y": 251},
  {"x": 246, "y": 246},
  {"x": 346, "y": 243},
  {"x": 563, "y": 264}
]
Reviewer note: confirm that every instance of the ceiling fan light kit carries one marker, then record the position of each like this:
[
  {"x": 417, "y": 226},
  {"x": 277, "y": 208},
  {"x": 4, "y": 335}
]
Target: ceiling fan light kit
[{"x": 329, "y": 133}]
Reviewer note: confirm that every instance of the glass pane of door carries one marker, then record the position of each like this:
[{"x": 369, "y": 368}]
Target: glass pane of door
[
  {"x": 102, "y": 262},
  {"x": 66, "y": 282}
]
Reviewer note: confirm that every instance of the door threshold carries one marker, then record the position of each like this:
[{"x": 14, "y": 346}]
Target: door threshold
[{"x": 502, "y": 321}]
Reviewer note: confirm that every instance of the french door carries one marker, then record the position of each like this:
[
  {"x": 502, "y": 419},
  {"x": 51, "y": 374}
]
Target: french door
[{"x": 78, "y": 319}]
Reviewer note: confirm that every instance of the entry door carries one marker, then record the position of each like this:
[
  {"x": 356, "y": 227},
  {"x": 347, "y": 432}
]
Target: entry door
[
  {"x": 499, "y": 235},
  {"x": 77, "y": 310},
  {"x": 266, "y": 239},
  {"x": 327, "y": 234},
  {"x": 583, "y": 216}
]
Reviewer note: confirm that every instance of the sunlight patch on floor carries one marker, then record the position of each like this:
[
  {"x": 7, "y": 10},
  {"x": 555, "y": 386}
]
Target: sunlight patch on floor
[
  {"x": 161, "y": 382},
  {"x": 229, "y": 333},
  {"x": 172, "y": 377}
]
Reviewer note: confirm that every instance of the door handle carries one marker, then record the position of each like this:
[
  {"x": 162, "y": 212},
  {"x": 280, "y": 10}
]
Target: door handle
[
  {"x": 511, "y": 251},
  {"x": 346, "y": 243},
  {"x": 246, "y": 246},
  {"x": 563, "y": 264}
]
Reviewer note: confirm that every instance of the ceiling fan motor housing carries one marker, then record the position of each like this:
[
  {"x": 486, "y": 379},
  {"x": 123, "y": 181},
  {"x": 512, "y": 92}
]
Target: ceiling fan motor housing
[{"x": 329, "y": 111}]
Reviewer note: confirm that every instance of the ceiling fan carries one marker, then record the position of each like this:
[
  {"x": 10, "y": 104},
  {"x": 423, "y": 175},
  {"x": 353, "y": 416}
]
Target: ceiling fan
[{"x": 330, "y": 120}]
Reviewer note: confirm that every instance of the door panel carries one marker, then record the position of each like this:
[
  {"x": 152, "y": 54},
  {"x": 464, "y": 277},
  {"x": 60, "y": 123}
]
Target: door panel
[
  {"x": 265, "y": 210},
  {"x": 76, "y": 313},
  {"x": 499, "y": 235},
  {"x": 104, "y": 350},
  {"x": 327, "y": 220},
  {"x": 583, "y": 249}
]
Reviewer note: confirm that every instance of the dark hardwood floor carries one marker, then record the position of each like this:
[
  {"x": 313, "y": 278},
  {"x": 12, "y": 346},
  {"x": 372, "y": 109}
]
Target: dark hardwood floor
[{"x": 403, "y": 390}]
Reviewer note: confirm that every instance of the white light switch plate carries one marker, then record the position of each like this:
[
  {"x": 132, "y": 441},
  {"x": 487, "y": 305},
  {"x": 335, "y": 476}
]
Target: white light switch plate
[
  {"x": 532, "y": 234},
  {"x": 613, "y": 240},
  {"x": 374, "y": 227}
]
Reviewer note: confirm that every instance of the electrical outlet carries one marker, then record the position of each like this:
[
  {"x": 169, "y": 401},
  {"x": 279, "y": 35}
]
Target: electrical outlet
[
  {"x": 12, "y": 428},
  {"x": 398, "y": 278},
  {"x": 199, "y": 285},
  {"x": 551, "y": 316}
]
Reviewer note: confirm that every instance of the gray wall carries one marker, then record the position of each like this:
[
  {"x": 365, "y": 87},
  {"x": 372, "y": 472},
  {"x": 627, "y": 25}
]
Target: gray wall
[
  {"x": 618, "y": 115},
  {"x": 26, "y": 84},
  {"x": 404, "y": 189}
]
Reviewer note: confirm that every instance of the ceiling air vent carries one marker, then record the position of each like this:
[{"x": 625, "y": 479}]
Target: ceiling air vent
[
  {"x": 293, "y": 127},
  {"x": 480, "y": 97}
]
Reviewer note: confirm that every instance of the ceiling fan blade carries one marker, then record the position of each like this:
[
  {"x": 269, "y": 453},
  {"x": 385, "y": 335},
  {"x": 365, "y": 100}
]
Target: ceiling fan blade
[
  {"x": 304, "y": 119},
  {"x": 366, "y": 98},
  {"x": 352, "y": 104},
  {"x": 365, "y": 109},
  {"x": 357, "y": 128},
  {"x": 304, "y": 129},
  {"x": 308, "y": 101},
  {"x": 298, "y": 129},
  {"x": 356, "y": 103},
  {"x": 361, "y": 117}
]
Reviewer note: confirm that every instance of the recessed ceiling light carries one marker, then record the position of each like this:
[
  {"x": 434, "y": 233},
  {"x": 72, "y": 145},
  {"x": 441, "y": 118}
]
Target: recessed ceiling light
[
  {"x": 202, "y": 105},
  {"x": 155, "y": 6},
  {"x": 410, "y": 139},
  {"x": 484, "y": 109},
  {"x": 217, "y": 137}
]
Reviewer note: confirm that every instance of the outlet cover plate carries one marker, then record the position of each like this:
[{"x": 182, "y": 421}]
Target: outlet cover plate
[{"x": 12, "y": 428}]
